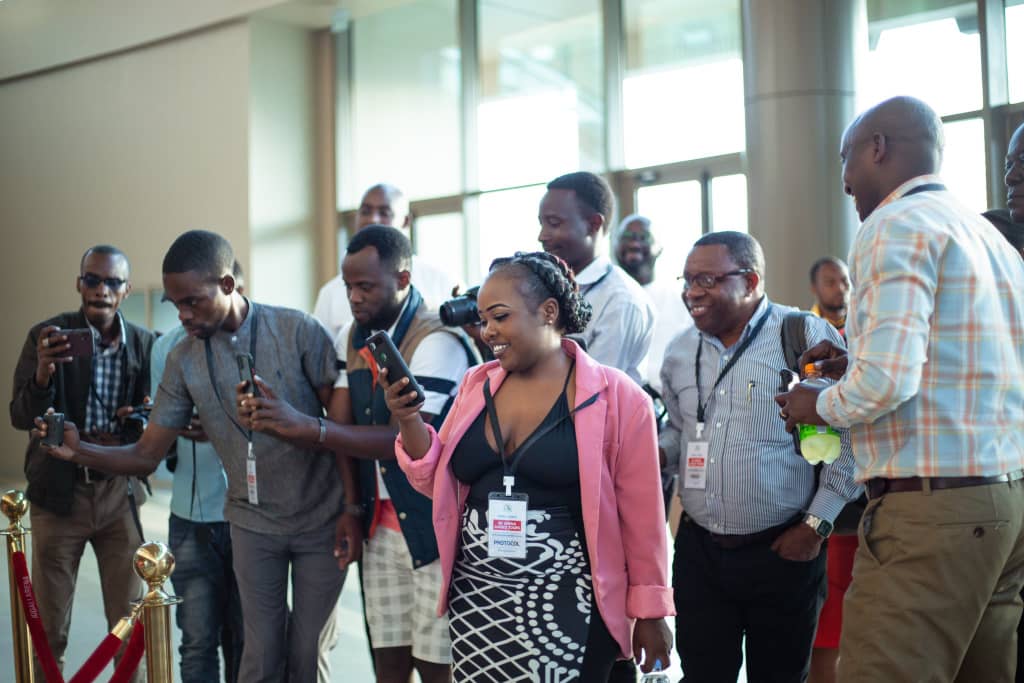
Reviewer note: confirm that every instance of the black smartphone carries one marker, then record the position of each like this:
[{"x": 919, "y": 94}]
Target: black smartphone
[
  {"x": 387, "y": 356},
  {"x": 54, "y": 429},
  {"x": 79, "y": 342},
  {"x": 245, "y": 372}
]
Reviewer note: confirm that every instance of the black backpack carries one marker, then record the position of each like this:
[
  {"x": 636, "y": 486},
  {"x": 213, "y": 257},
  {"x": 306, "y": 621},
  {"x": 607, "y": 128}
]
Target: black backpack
[{"x": 794, "y": 343}]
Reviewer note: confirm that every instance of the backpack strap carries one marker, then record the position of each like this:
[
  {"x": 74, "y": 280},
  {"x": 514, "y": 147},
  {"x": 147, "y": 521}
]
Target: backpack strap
[{"x": 794, "y": 338}]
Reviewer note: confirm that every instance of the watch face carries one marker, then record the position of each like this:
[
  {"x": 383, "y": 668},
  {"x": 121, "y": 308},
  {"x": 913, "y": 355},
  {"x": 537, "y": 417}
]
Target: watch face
[{"x": 825, "y": 528}]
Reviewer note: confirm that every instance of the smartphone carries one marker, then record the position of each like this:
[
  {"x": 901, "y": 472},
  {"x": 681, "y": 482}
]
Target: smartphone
[
  {"x": 387, "y": 356},
  {"x": 245, "y": 372},
  {"x": 54, "y": 428},
  {"x": 79, "y": 342}
]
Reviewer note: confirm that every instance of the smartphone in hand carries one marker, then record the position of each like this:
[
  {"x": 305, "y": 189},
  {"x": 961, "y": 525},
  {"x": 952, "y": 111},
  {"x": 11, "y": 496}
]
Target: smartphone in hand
[
  {"x": 387, "y": 356},
  {"x": 80, "y": 343},
  {"x": 245, "y": 372},
  {"x": 54, "y": 428}
]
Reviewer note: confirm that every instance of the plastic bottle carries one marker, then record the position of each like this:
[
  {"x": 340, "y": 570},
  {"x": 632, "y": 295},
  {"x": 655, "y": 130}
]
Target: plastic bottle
[
  {"x": 656, "y": 676},
  {"x": 818, "y": 443}
]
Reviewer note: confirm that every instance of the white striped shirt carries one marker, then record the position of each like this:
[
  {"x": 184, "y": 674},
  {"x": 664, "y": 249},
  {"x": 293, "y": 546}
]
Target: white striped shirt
[{"x": 755, "y": 479}]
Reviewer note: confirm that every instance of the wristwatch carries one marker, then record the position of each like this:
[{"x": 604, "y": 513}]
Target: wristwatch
[{"x": 821, "y": 526}]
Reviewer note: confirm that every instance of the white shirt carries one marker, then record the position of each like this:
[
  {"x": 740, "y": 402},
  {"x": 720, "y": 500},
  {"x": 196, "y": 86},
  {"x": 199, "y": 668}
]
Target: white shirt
[
  {"x": 439, "y": 356},
  {"x": 620, "y": 331},
  {"x": 672, "y": 318},
  {"x": 332, "y": 309}
]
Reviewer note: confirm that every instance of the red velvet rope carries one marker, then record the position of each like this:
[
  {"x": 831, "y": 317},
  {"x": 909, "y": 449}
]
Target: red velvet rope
[
  {"x": 51, "y": 672},
  {"x": 132, "y": 655},
  {"x": 98, "y": 660}
]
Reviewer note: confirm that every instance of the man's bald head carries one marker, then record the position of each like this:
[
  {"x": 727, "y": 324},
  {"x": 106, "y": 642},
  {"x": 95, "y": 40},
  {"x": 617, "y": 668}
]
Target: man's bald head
[
  {"x": 894, "y": 141},
  {"x": 384, "y": 204}
]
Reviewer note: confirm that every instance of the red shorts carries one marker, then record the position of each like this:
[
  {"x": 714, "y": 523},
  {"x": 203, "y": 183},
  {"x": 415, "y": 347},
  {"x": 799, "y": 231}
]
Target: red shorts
[{"x": 841, "y": 550}]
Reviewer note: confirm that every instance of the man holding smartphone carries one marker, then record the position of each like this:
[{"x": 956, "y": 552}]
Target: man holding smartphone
[
  {"x": 401, "y": 573},
  {"x": 91, "y": 365},
  {"x": 283, "y": 500}
]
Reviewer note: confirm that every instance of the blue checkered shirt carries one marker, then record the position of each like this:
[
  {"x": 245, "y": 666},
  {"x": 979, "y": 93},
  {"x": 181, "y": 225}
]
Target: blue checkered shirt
[{"x": 107, "y": 376}]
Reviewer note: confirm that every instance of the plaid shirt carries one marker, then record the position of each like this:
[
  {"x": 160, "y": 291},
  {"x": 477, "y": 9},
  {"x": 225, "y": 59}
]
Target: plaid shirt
[
  {"x": 107, "y": 374},
  {"x": 935, "y": 384}
]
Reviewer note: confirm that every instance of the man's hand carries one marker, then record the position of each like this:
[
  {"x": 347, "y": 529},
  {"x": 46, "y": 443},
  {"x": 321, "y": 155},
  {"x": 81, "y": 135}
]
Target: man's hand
[
  {"x": 270, "y": 415},
  {"x": 71, "y": 441},
  {"x": 798, "y": 543},
  {"x": 828, "y": 359},
  {"x": 50, "y": 350},
  {"x": 652, "y": 641},
  {"x": 195, "y": 431},
  {"x": 799, "y": 406},
  {"x": 348, "y": 540}
]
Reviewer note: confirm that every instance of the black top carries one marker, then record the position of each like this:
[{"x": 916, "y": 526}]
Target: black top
[{"x": 549, "y": 472}]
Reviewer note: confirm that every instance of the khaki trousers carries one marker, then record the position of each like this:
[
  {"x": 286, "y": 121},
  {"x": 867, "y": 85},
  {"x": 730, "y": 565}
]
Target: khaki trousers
[
  {"x": 936, "y": 587},
  {"x": 101, "y": 517}
]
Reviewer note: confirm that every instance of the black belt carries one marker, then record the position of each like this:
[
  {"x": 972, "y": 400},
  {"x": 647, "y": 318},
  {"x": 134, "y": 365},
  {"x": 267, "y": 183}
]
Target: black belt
[
  {"x": 89, "y": 475},
  {"x": 879, "y": 486},
  {"x": 734, "y": 541}
]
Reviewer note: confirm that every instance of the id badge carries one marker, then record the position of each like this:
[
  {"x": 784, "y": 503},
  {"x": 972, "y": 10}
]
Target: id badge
[
  {"x": 696, "y": 473},
  {"x": 250, "y": 476},
  {"x": 506, "y": 525}
]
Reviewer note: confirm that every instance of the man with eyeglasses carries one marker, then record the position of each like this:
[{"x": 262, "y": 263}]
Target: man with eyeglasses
[
  {"x": 748, "y": 563},
  {"x": 74, "y": 505}
]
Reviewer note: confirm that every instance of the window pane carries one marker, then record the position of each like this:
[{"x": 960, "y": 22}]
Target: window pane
[
  {"x": 165, "y": 315},
  {"x": 933, "y": 53},
  {"x": 541, "y": 109},
  {"x": 508, "y": 223},
  {"x": 674, "y": 210},
  {"x": 963, "y": 162},
  {"x": 440, "y": 238},
  {"x": 1015, "y": 48},
  {"x": 405, "y": 73},
  {"x": 729, "y": 202},
  {"x": 675, "y": 49}
]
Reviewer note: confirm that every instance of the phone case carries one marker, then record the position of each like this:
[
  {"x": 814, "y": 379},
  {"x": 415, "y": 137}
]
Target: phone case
[
  {"x": 54, "y": 429},
  {"x": 245, "y": 372},
  {"x": 387, "y": 356},
  {"x": 79, "y": 341}
]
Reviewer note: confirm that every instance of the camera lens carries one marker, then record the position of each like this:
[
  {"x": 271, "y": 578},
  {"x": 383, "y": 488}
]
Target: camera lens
[{"x": 459, "y": 311}]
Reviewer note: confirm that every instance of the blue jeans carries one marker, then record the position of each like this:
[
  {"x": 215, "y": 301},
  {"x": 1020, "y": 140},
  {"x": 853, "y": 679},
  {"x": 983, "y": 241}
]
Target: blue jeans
[{"x": 210, "y": 615}]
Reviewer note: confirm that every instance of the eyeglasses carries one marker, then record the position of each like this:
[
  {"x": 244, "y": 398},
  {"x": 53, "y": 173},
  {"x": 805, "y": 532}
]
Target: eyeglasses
[
  {"x": 708, "y": 280},
  {"x": 91, "y": 281}
]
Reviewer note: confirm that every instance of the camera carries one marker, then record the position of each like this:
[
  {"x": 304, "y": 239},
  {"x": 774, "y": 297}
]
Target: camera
[
  {"x": 135, "y": 423},
  {"x": 461, "y": 310}
]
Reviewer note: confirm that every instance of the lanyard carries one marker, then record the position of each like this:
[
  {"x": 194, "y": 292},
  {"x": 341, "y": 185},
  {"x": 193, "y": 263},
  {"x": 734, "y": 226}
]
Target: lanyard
[
  {"x": 585, "y": 289},
  {"x": 213, "y": 380},
  {"x": 927, "y": 187},
  {"x": 728, "y": 366},
  {"x": 511, "y": 464}
]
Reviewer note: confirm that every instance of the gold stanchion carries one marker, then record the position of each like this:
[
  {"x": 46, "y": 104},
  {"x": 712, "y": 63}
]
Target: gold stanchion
[
  {"x": 14, "y": 505},
  {"x": 154, "y": 562}
]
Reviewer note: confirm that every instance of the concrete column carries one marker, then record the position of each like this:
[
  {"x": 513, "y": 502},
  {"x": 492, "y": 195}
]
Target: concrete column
[{"x": 798, "y": 70}]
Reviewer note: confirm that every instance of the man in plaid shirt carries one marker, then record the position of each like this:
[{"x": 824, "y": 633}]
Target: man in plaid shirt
[
  {"x": 933, "y": 393},
  {"x": 73, "y": 505}
]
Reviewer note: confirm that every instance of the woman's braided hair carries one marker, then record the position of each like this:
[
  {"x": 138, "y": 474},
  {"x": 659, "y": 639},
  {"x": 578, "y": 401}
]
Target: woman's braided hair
[{"x": 545, "y": 276}]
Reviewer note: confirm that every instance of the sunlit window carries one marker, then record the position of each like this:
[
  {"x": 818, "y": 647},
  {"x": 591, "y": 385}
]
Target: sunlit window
[
  {"x": 729, "y": 202},
  {"x": 675, "y": 213},
  {"x": 683, "y": 88},
  {"x": 405, "y": 100},
  {"x": 933, "y": 53},
  {"x": 1015, "y": 48},
  {"x": 541, "y": 112},
  {"x": 508, "y": 223},
  {"x": 440, "y": 239},
  {"x": 963, "y": 162}
]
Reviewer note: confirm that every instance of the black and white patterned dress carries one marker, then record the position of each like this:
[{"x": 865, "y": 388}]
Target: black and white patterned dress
[{"x": 531, "y": 620}]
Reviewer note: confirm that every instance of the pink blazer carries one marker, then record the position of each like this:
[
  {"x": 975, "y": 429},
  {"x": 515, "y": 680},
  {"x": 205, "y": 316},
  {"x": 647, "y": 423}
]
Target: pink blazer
[{"x": 620, "y": 486}]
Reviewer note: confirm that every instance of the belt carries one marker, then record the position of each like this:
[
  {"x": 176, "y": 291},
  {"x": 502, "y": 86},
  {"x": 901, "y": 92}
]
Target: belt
[
  {"x": 89, "y": 475},
  {"x": 880, "y": 486},
  {"x": 734, "y": 541}
]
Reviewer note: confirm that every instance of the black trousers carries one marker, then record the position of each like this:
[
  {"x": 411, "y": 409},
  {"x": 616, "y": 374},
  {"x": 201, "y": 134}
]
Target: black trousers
[{"x": 723, "y": 596}]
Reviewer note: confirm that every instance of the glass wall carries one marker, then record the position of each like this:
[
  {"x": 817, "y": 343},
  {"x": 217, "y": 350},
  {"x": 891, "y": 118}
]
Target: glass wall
[
  {"x": 683, "y": 86},
  {"x": 1015, "y": 48},
  {"x": 675, "y": 213}
]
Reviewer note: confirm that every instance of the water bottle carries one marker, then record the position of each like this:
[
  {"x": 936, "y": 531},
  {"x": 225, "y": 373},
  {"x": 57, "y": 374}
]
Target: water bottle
[
  {"x": 818, "y": 443},
  {"x": 656, "y": 676}
]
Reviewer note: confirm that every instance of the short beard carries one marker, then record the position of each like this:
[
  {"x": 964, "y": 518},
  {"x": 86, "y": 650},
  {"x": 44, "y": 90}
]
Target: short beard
[{"x": 642, "y": 272}]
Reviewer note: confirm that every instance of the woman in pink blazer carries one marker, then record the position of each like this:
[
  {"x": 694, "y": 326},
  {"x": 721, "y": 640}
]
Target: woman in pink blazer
[{"x": 559, "y": 585}]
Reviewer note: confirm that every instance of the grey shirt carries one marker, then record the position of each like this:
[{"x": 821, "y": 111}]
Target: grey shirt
[{"x": 299, "y": 490}]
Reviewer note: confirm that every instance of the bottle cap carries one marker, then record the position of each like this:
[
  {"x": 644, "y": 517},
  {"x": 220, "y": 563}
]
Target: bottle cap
[{"x": 811, "y": 369}]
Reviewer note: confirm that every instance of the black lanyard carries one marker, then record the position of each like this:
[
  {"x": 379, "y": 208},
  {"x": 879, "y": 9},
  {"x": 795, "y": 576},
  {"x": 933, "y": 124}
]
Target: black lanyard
[
  {"x": 247, "y": 433},
  {"x": 511, "y": 464},
  {"x": 585, "y": 289},
  {"x": 728, "y": 366},
  {"x": 927, "y": 187}
]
